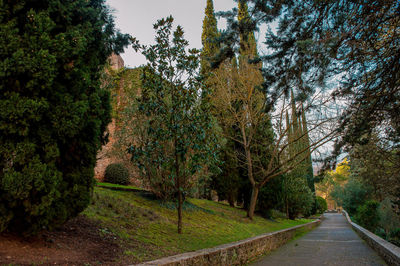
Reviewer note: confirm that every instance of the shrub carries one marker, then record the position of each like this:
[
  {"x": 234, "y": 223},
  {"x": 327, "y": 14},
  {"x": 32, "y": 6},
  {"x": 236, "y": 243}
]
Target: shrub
[
  {"x": 394, "y": 236},
  {"x": 53, "y": 108},
  {"x": 389, "y": 219},
  {"x": 297, "y": 196},
  {"x": 322, "y": 206},
  {"x": 116, "y": 174},
  {"x": 367, "y": 215}
]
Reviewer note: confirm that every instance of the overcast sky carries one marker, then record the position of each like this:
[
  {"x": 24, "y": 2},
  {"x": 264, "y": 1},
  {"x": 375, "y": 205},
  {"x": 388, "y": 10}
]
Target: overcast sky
[{"x": 137, "y": 17}]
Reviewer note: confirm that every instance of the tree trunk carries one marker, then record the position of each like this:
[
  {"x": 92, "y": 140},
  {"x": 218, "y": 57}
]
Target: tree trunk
[
  {"x": 231, "y": 199},
  {"x": 253, "y": 202},
  {"x": 180, "y": 201},
  {"x": 179, "y": 188}
]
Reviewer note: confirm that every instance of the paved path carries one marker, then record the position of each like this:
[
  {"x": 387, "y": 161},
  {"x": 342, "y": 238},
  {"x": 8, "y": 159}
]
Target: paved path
[{"x": 331, "y": 243}]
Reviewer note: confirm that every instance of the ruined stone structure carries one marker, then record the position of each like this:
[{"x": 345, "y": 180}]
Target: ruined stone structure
[
  {"x": 116, "y": 62},
  {"x": 103, "y": 156}
]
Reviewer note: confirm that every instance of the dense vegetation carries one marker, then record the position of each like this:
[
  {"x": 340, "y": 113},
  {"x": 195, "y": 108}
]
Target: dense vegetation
[
  {"x": 53, "y": 110},
  {"x": 226, "y": 120},
  {"x": 369, "y": 200}
]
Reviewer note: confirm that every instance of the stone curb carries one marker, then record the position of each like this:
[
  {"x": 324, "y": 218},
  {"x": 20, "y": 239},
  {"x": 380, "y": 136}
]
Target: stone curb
[
  {"x": 389, "y": 252},
  {"x": 236, "y": 253}
]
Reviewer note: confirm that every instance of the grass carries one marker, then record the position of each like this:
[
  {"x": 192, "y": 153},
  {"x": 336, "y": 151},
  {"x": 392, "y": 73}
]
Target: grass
[
  {"x": 148, "y": 227},
  {"x": 109, "y": 185}
]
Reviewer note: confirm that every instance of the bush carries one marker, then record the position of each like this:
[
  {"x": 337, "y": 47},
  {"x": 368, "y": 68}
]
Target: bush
[
  {"x": 53, "y": 108},
  {"x": 117, "y": 174},
  {"x": 394, "y": 237},
  {"x": 297, "y": 195},
  {"x": 367, "y": 215},
  {"x": 322, "y": 206}
]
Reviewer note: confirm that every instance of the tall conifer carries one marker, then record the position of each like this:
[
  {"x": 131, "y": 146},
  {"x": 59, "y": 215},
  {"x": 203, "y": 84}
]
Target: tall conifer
[
  {"x": 248, "y": 44},
  {"x": 208, "y": 37}
]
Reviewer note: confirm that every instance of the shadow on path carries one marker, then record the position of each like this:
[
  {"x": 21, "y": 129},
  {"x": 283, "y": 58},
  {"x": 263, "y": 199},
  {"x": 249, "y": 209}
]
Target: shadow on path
[{"x": 332, "y": 243}]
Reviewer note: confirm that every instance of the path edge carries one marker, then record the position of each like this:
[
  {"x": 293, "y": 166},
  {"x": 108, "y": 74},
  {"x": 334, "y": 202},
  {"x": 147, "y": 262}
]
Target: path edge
[
  {"x": 389, "y": 252},
  {"x": 236, "y": 253}
]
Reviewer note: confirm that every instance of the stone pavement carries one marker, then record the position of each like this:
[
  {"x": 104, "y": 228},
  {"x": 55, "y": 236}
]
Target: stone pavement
[{"x": 331, "y": 243}]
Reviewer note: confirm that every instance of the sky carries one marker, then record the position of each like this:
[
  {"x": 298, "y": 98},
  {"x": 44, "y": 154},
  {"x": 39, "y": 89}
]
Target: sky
[{"x": 136, "y": 17}]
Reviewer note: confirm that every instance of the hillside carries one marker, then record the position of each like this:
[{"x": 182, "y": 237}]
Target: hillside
[
  {"x": 147, "y": 227},
  {"x": 126, "y": 227}
]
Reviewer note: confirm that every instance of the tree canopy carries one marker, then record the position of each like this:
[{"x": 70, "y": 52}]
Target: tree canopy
[{"x": 53, "y": 109}]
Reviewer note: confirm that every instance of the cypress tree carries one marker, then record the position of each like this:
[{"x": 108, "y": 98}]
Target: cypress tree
[
  {"x": 248, "y": 44},
  {"x": 208, "y": 38},
  {"x": 53, "y": 109},
  {"x": 299, "y": 145},
  {"x": 309, "y": 172}
]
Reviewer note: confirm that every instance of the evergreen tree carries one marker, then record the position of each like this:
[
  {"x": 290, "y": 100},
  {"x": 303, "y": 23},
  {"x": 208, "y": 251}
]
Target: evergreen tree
[
  {"x": 306, "y": 145},
  {"x": 175, "y": 138},
  {"x": 209, "y": 38},
  {"x": 248, "y": 44},
  {"x": 53, "y": 110},
  {"x": 299, "y": 149}
]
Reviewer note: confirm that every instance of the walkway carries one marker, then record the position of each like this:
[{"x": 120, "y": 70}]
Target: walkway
[{"x": 331, "y": 243}]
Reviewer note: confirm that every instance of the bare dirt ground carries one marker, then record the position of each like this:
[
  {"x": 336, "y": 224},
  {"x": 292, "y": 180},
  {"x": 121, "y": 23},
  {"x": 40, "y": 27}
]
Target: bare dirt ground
[{"x": 78, "y": 242}]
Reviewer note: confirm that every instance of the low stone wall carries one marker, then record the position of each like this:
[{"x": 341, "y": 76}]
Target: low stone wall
[
  {"x": 236, "y": 253},
  {"x": 389, "y": 252}
]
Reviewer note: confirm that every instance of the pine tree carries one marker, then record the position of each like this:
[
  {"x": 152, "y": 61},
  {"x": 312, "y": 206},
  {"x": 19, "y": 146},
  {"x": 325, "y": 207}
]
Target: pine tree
[
  {"x": 53, "y": 109},
  {"x": 208, "y": 38}
]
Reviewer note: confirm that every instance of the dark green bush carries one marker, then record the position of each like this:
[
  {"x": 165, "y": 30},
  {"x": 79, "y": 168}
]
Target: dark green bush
[
  {"x": 394, "y": 236},
  {"x": 53, "y": 108},
  {"x": 367, "y": 215},
  {"x": 321, "y": 205},
  {"x": 117, "y": 174}
]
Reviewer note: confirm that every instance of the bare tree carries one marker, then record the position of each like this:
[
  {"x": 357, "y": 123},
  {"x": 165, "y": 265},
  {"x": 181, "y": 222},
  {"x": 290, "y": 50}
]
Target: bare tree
[{"x": 242, "y": 105}]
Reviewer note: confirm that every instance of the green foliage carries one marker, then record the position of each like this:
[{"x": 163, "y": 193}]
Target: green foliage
[
  {"x": 117, "y": 174},
  {"x": 297, "y": 197},
  {"x": 208, "y": 38},
  {"x": 174, "y": 127},
  {"x": 299, "y": 152},
  {"x": 376, "y": 163},
  {"x": 351, "y": 196},
  {"x": 394, "y": 236},
  {"x": 367, "y": 215},
  {"x": 227, "y": 182},
  {"x": 389, "y": 221},
  {"x": 322, "y": 206},
  {"x": 53, "y": 109},
  {"x": 270, "y": 197}
]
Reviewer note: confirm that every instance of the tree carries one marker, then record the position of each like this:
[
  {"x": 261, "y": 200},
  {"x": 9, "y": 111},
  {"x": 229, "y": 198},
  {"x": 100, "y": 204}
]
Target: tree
[
  {"x": 298, "y": 143},
  {"x": 175, "y": 138},
  {"x": 53, "y": 110},
  {"x": 209, "y": 38},
  {"x": 377, "y": 164},
  {"x": 351, "y": 46},
  {"x": 242, "y": 105},
  {"x": 332, "y": 179},
  {"x": 352, "y": 195}
]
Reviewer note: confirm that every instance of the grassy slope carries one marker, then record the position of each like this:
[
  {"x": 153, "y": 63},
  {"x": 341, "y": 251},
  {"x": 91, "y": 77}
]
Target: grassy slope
[{"x": 148, "y": 228}]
